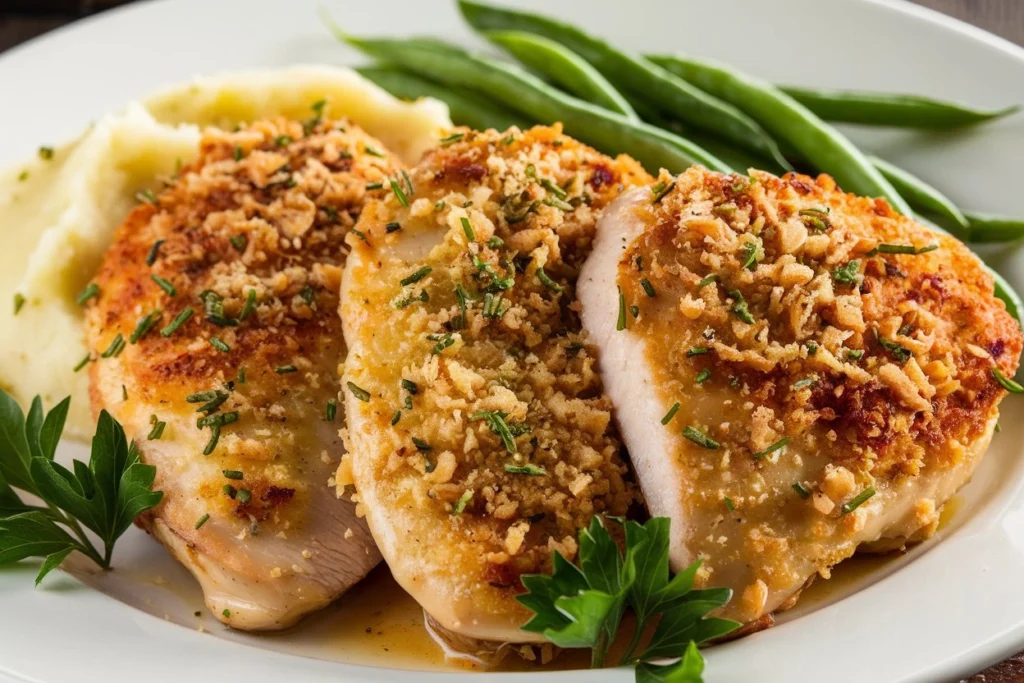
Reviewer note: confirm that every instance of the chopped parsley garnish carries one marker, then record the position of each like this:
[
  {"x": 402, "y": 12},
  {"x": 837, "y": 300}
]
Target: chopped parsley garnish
[
  {"x": 239, "y": 242},
  {"x": 670, "y": 414},
  {"x": 781, "y": 443},
  {"x": 91, "y": 291},
  {"x": 357, "y": 391},
  {"x": 115, "y": 348},
  {"x": 707, "y": 281},
  {"x": 635, "y": 311},
  {"x": 509, "y": 140},
  {"x": 199, "y": 523},
  {"x": 660, "y": 189},
  {"x": 750, "y": 255},
  {"x": 812, "y": 348},
  {"x": 415, "y": 277},
  {"x": 857, "y": 500},
  {"x": 459, "y": 321},
  {"x": 46, "y": 153},
  {"x": 285, "y": 369},
  {"x": 154, "y": 252},
  {"x": 495, "y": 242},
  {"x": 700, "y": 438},
  {"x": 219, "y": 345},
  {"x": 399, "y": 193},
  {"x": 211, "y": 400},
  {"x": 82, "y": 363},
  {"x": 529, "y": 469},
  {"x": 145, "y": 324},
  {"x": 250, "y": 305},
  {"x": 900, "y": 354},
  {"x": 1007, "y": 383},
  {"x": 648, "y": 287},
  {"x": 241, "y": 375},
  {"x": 495, "y": 420},
  {"x": 213, "y": 304},
  {"x": 462, "y": 502},
  {"x": 164, "y": 284},
  {"x": 801, "y": 490},
  {"x": 492, "y": 306},
  {"x": 360, "y": 234},
  {"x": 421, "y": 445},
  {"x": 739, "y": 307},
  {"x": 697, "y": 351},
  {"x": 702, "y": 376},
  {"x": 494, "y": 283},
  {"x": 373, "y": 151},
  {"x": 19, "y": 302},
  {"x": 396, "y": 417},
  {"x": 546, "y": 280},
  {"x": 451, "y": 139},
  {"x": 233, "y": 474},
  {"x": 443, "y": 342},
  {"x": 846, "y": 275},
  {"x": 331, "y": 411},
  {"x": 621, "y": 323},
  {"x": 468, "y": 229}
]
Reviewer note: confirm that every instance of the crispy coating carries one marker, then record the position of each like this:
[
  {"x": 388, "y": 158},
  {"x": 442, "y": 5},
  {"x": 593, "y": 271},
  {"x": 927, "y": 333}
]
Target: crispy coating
[{"x": 487, "y": 421}]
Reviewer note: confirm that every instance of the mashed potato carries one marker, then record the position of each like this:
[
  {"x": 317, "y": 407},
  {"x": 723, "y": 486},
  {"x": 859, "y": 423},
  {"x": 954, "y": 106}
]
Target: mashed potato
[{"x": 58, "y": 214}]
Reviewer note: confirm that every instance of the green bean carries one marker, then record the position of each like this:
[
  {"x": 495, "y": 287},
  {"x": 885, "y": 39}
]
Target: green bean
[
  {"x": 792, "y": 123},
  {"x": 507, "y": 83},
  {"x": 891, "y": 109},
  {"x": 465, "y": 108},
  {"x": 633, "y": 74},
  {"x": 987, "y": 228},
  {"x": 922, "y": 196},
  {"x": 564, "y": 67}
]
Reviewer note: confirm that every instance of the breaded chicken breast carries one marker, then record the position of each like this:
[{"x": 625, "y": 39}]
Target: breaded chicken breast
[
  {"x": 796, "y": 371},
  {"x": 480, "y": 439},
  {"x": 215, "y": 342}
]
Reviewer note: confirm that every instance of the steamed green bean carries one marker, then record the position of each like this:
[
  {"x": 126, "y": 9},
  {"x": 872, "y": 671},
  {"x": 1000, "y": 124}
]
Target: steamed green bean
[
  {"x": 922, "y": 196},
  {"x": 987, "y": 228}
]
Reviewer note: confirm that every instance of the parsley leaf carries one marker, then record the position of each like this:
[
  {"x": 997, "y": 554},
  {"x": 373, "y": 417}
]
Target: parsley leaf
[{"x": 103, "y": 496}]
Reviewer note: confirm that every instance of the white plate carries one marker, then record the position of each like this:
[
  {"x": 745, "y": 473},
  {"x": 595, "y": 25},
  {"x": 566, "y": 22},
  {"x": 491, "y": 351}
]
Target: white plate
[{"x": 955, "y": 605}]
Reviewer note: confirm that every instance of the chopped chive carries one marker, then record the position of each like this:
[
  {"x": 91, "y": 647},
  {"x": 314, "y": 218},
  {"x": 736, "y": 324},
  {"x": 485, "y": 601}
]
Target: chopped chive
[
  {"x": 46, "y": 153},
  {"x": 749, "y": 255},
  {"x": 702, "y": 376},
  {"x": 219, "y": 345},
  {"x": 416, "y": 277},
  {"x": 1006, "y": 382},
  {"x": 154, "y": 252},
  {"x": 375, "y": 186},
  {"x": 124, "y": 393},
  {"x": 372, "y": 151},
  {"x": 82, "y": 363},
  {"x": 697, "y": 351},
  {"x": 331, "y": 412},
  {"x": 660, "y": 190},
  {"x": 244, "y": 496},
  {"x": 399, "y": 194},
  {"x": 157, "y": 431},
  {"x": 899, "y": 353},
  {"x": 164, "y": 284},
  {"x": 546, "y": 280},
  {"x": 700, "y": 438},
  {"x": 146, "y": 197},
  {"x": 285, "y": 369},
  {"x": 237, "y": 153},
  {"x": 854, "y": 354},
  {"x": 804, "y": 383},
  {"x": 771, "y": 449},
  {"x": 930, "y": 247},
  {"x": 178, "y": 321},
  {"x": 421, "y": 445},
  {"x": 226, "y": 613},
  {"x": 239, "y": 242},
  {"x": 203, "y": 520},
  {"x": 468, "y": 229},
  {"x": 250, "y": 305},
  {"x": 893, "y": 249},
  {"x": 91, "y": 291},
  {"x": 357, "y": 391},
  {"x": 528, "y": 469},
  {"x": 460, "y": 505},
  {"x": 670, "y": 414},
  {"x": 857, "y": 500},
  {"x": 707, "y": 281},
  {"x": 410, "y": 386},
  {"x": 282, "y": 140},
  {"x": 729, "y": 504},
  {"x": 19, "y": 301},
  {"x": 241, "y": 375},
  {"x": 443, "y": 342},
  {"x": 392, "y": 227},
  {"x": 229, "y": 491},
  {"x": 214, "y": 438},
  {"x": 115, "y": 348},
  {"x": 396, "y": 417},
  {"x": 739, "y": 307},
  {"x": 621, "y": 323},
  {"x": 451, "y": 139},
  {"x": 233, "y": 474},
  {"x": 495, "y": 420},
  {"x": 648, "y": 287},
  {"x": 801, "y": 490},
  {"x": 439, "y": 205}
]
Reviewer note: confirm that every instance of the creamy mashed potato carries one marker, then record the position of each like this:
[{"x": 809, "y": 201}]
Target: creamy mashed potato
[{"x": 58, "y": 215}]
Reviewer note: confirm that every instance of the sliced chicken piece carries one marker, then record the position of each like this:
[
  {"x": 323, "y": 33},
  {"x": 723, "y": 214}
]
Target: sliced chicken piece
[
  {"x": 480, "y": 440},
  {"x": 215, "y": 341},
  {"x": 807, "y": 371}
]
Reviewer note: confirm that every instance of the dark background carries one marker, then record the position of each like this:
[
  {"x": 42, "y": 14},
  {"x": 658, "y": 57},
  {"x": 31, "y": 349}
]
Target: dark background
[{"x": 24, "y": 19}]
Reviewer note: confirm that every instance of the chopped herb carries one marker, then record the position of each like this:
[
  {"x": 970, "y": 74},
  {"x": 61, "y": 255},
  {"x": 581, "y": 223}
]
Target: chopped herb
[
  {"x": 373, "y": 151},
  {"x": 812, "y": 348},
  {"x": 930, "y": 247},
  {"x": 771, "y": 449},
  {"x": 421, "y": 445},
  {"x": 846, "y": 275},
  {"x": 495, "y": 242},
  {"x": 729, "y": 504},
  {"x": 82, "y": 363},
  {"x": 670, "y": 414},
  {"x": 360, "y": 234},
  {"x": 804, "y": 383},
  {"x": 146, "y": 197},
  {"x": 495, "y": 420},
  {"x": 46, "y": 153},
  {"x": 707, "y": 281},
  {"x": 552, "y": 187},
  {"x": 282, "y": 140},
  {"x": 492, "y": 306},
  {"x": 285, "y": 369},
  {"x": 900, "y": 354},
  {"x": 124, "y": 393},
  {"x": 203, "y": 520},
  {"x": 91, "y": 291},
  {"x": 226, "y": 613},
  {"x": 211, "y": 445},
  {"x": 857, "y": 500},
  {"x": 357, "y": 391},
  {"x": 495, "y": 283},
  {"x": 468, "y": 229},
  {"x": 854, "y": 354},
  {"x": 700, "y": 438},
  {"x": 459, "y": 321},
  {"x": 460, "y": 505},
  {"x": 451, "y": 139},
  {"x": 399, "y": 193},
  {"x": 23, "y": 176},
  {"x": 375, "y": 186},
  {"x": 229, "y": 491},
  {"x": 115, "y": 348},
  {"x": 158, "y": 429},
  {"x": 164, "y": 284},
  {"x": 422, "y": 297},
  {"x": 239, "y": 242},
  {"x": 734, "y": 381},
  {"x": 154, "y": 252},
  {"x": 697, "y": 351},
  {"x": 443, "y": 342},
  {"x": 635, "y": 310},
  {"x": 557, "y": 203},
  {"x": 19, "y": 301},
  {"x": 509, "y": 140},
  {"x": 416, "y": 277},
  {"x": 214, "y": 307},
  {"x": 739, "y": 307},
  {"x": 1007, "y": 383},
  {"x": 529, "y": 469},
  {"x": 241, "y": 375},
  {"x": 307, "y": 294},
  {"x": 238, "y": 153},
  {"x": 332, "y": 409},
  {"x": 250, "y": 305},
  {"x": 233, "y": 474},
  {"x": 648, "y": 287},
  {"x": 332, "y": 213},
  {"x": 546, "y": 280},
  {"x": 660, "y": 190},
  {"x": 396, "y": 417},
  {"x": 244, "y": 496},
  {"x": 145, "y": 324},
  {"x": 621, "y": 323},
  {"x": 749, "y": 255},
  {"x": 219, "y": 345},
  {"x": 392, "y": 227},
  {"x": 893, "y": 249},
  {"x": 702, "y": 376},
  {"x": 801, "y": 490}
]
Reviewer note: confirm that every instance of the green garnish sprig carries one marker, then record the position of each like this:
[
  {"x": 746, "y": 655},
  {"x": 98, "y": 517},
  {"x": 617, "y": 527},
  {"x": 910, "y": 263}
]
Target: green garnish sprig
[
  {"x": 104, "y": 496},
  {"x": 582, "y": 606}
]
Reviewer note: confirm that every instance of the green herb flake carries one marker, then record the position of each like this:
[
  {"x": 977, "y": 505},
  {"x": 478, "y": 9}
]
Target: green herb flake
[
  {"x": 115, "y": 348},
  {"x": 670, "y": 414},
  {"x": 899, "y": 353},
  {"x": 398, "y": 192},
  {"x": 546, "y": 280},
  {"x": 697, "y": 351},
  {"x": 443, "y": 341},
  {"x": 648, "y": 287},
  {"x": 392, "y": 227},
  {"x": 804, "y": 383},
  {"x": 801, "y": 490},
  {"x": 164, "y": 285},
  {"x": 702, "y": 376},
  {"x": 848, "y": 274},
  {"x": 749, "y": 255},
  {"x": 495, "y": 421},
  {"x": 707, "y": 281},
  {"x": 238, "y": 153},
  {"x": 857, "y": 500},
  {"x": 219, "y": 345},
  {"x": 19, "y": 302},
  {"x": 781, "y": 443},
  {"x": 244, "y": 496},
  {"x": 82, "y": 363},
  {"x": 739, "y": 307},
  {"x": 421, "y": 445},
  {"x": 660, "y": 190},
  {"x": 462, "y": 502},
  {"x": 729, "y": 504},
  {"x": 1007, "y": 383},
  {"x": 199, "y": 524},
  {"x": 700, "y": 438},
  {"x": 528, "y": 469},
  {"x": 146, "y": 197},
  {"x": 285, "y": 369},
  {"x": 91, "y": 291},
  {"x": 853, "y": 354},
  {"x": 357, "y": 391},
  {"x": 396, "y": 417},
  {"x": 620, "y": 324},
  {"x": 239, "y": 242},
  {"x": 451, "y": 139},
  {"x": 468, "y": 229},
  {"x": 158, "y": 429},
  {"x": 178, "y": 321},
  {"x": 154, "y": 252},
  {"x": 416, "y": 276},
  {"x": 374, "y": 186},
  {"x": 250, "y": 305}
]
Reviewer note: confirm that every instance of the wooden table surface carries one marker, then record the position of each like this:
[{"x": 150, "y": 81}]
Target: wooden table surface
[{"x": 1002, "y": 17}]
